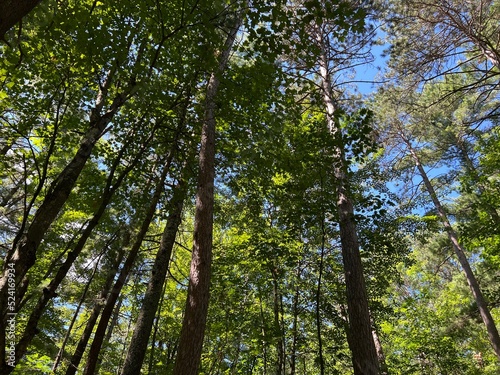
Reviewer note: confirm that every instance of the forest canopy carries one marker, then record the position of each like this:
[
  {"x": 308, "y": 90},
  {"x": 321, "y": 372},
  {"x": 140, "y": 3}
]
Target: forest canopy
[{"x": 208, "y": 187}]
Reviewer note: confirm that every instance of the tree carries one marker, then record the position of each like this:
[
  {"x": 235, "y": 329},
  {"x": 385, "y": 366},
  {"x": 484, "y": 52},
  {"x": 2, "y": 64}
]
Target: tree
[
  {"x": 410, "y": 134},
  {"x": 193, "y": 327},
  {"x": 360, "y": 338},
  {"x": 144, "y": 324}
]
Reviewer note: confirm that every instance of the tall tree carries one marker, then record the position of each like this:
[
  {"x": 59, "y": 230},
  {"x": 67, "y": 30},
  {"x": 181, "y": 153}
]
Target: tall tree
[
  {"x": 144, "y": 324},
  {"x": 364, "y": 356},
  {"x": 114, "y": 294},
  {"x": 195, "y": 315},
  {"x": 401, "y": 125}
]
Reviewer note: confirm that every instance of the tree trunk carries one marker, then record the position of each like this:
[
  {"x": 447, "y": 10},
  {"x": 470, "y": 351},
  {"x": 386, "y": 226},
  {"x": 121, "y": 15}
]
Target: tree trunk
[
  {"x": 195, "y": 316},
  {"x": 295, "y": 333},
  {"x": 107, "y": 312},
  {"x": 49, "y": 292},
  {"x": 98, "y": 305},
  {"x": 75, "y": 315},
  {"x": 22, "y": 255},
  {"x": 384, "y": 370},
  {"x": 459, "y": 251},
  {"x": 364, "y": 355},
  {"x": 278, "y": 331},
  {"x": 318, "y": 301},
  {"x": 23, "y": 252},
  {"x": 144, "y": 324},
  {"x": 12, "y": 11},
  {"x": 155, "y": 331},
  {"x": 264, "y": 333}
]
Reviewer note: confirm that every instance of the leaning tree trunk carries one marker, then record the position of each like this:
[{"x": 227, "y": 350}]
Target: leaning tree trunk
[
  {"x": 23, "y": 253},
  {"x": 49, "y": 292},
  {"x": 96, "y": 310},
  {"x": 193, "y": 326},
  {"x": 83, "y": 297},
  {"x": 144, "y": 324},
  {"x": 156, "y": 327},
  {"x": 107, "y": 312},
  {"x": 364, "y": 355},
  {"x": 142, "y": 331},
  {"x": 22, "y": 256},
  {"x": 484, "y": 310}
]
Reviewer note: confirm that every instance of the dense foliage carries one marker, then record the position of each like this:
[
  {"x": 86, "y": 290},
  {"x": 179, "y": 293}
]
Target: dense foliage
[{"x": 353, "y": 233}]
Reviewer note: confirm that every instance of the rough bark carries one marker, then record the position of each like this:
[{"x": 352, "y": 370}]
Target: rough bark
[
  {"x": 12, "y": 11},
  {"x": 482, "y": 305},
  {"x": 195, "y": 316},
  {"x": 139, "y": 342},
  {"x": 364, "y": 356}
]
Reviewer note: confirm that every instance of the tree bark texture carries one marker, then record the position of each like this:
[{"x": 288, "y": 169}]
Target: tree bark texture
[
  {"x": 195, "y": 316},
  {"x": 364, "y": 355},
  {"x": 12, "y": 11}
]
